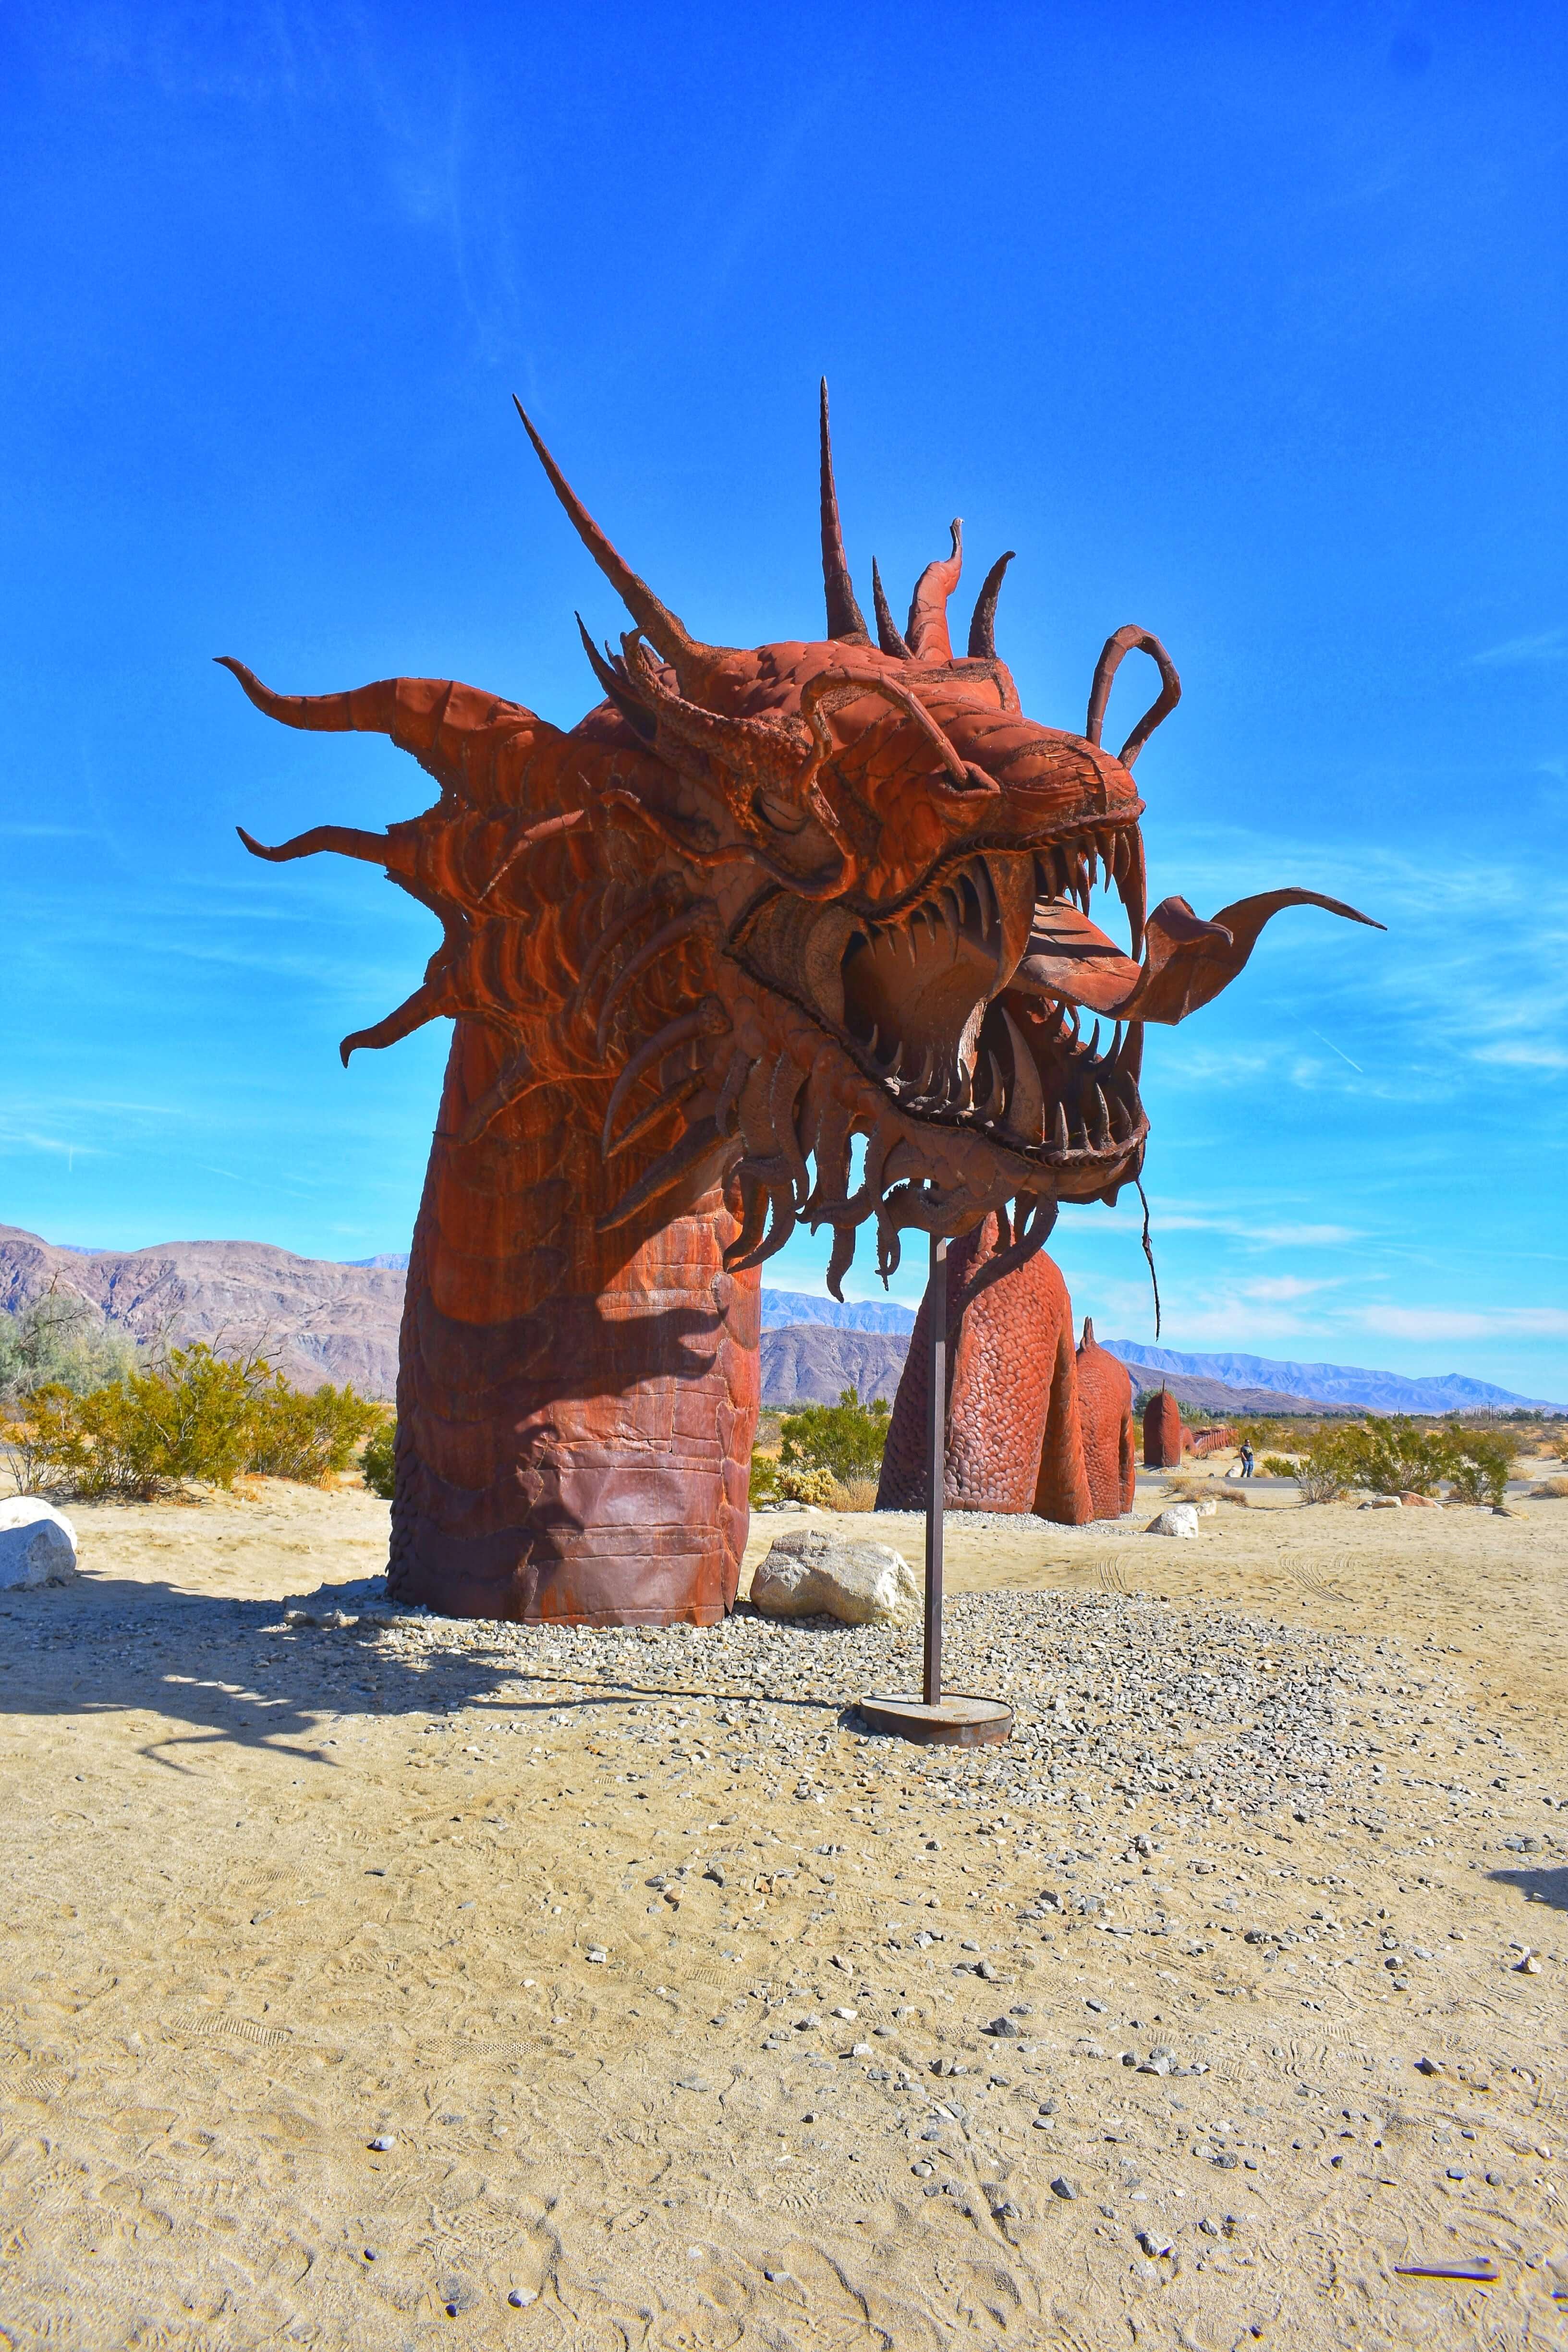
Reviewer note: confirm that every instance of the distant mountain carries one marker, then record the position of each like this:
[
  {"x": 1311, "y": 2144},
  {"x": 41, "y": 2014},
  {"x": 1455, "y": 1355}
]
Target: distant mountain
[
  {"x": 1341, "y": 1384},
  {"x": 318, "y": 1319},
  {"x": 313, "y": 1320},
  {"x": 790, "y": 1307},
  {"x": 810, "y": 1363}
]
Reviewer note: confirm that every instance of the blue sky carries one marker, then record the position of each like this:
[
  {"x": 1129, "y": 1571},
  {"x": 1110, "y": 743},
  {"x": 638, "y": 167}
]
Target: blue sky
[{"x": 1246, "y": 323}]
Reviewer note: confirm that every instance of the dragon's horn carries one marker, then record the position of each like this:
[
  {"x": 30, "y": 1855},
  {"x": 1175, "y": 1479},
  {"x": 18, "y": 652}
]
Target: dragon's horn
[
  {"x": 927, "y": 631},
  {"x": 889, "y": 636},
  {"x": 1123, "y": 641},
  {"x": 845, "y": 618},
  {"x": 982, "y": 628},
  {"x": 690, "y": 658}
]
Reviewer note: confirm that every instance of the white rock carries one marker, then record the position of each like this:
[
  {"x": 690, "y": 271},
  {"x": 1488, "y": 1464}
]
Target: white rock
[
  {"x": 811, "y": 1573},
  {"x": 1381, "y": 1503},
  {"x": 37, "y": 1545},
  {"x": 1181, "y": 1519}
]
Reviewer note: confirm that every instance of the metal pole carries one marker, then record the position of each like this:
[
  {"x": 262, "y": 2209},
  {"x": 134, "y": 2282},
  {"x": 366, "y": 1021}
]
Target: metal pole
[{"x": 936, "y": 1459}]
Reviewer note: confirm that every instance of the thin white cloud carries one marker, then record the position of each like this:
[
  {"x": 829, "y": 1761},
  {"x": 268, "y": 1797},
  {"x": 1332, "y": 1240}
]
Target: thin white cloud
[
  {"x": 1546, "y": 646},
  {"x": 1461, "y": 1323}
]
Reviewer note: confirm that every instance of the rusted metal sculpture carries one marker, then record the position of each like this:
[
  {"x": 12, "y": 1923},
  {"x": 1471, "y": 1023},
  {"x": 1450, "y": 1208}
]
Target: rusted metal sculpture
[
  {"x": 1032, "y": 1426},
  {"x": 1165, "y": 1436},
  {"x": 759, "y": 912}
]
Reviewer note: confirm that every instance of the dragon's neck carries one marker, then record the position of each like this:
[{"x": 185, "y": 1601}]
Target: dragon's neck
[{"x": 575, "y": 1408}]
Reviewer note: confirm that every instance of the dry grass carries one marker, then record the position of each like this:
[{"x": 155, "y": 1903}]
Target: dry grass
[
  {"x": 854, "y": 1494},
  {"x": 1551, "y": 1489}
]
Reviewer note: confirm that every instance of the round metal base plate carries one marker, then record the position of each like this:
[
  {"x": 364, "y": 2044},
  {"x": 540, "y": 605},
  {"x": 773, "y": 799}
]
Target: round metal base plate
[{"x": 956, "y": 1722}]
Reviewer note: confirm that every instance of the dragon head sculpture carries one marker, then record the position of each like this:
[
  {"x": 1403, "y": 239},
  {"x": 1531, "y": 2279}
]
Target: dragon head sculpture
[{"x": 800, "y": 933}]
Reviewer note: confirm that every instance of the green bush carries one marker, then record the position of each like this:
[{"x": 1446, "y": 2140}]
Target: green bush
[
  {"x": 376, "y": 1461},
  {"x": 1393, "y": 1455},
  {"x": 774, "y": 1481},
  {"x": 1279, "y": 1466},
  {"x": 846, "y": 1439},
  {"x": 59, "y": 1341},
  {"x": 307, "y": 1435},
  {"x": 1478, "y": 1465},
  {"x": 196, "y": 1416}
]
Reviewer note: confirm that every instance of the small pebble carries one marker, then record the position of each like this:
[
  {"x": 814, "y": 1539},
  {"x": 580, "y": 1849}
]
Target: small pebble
[
  {"x": 1062, "y": 2187},
  {"x": 383, "y": 2141}
]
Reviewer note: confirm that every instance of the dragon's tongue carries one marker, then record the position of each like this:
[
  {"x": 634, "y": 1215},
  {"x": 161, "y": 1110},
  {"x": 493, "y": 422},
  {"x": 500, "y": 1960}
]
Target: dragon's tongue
[
  {"x": 1070, "y": 956},
  {"x": 1186, "y": 960}
]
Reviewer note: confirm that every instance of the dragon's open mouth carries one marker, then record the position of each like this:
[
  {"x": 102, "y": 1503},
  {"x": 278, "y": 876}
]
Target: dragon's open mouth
[{"x": 964, "y": 1006}]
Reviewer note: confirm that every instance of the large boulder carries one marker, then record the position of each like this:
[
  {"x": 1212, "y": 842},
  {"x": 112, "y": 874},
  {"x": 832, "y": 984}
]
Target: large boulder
[
  {"x": 813, "y": 1573},
  {"x": 1181, "y": 1519},
  {"x": 37, "y": 1545}
]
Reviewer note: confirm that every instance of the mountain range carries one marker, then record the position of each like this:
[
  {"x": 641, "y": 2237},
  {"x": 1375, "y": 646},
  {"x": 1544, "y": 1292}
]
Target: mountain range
[
  {"x": 317, "y": 1320},
  {"x": 1350, "y": 1385}
]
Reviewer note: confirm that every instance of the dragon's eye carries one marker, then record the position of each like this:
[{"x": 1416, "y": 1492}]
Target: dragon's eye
[{"x": 781, "y": 815}]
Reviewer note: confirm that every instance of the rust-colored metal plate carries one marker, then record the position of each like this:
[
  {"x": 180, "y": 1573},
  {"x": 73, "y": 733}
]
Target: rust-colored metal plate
[{"x": 959, "y": 1722}]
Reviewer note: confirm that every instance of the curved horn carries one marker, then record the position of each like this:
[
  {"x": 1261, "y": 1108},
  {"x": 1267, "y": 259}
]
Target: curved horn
[
  {"x": 845, "y": 618},
  {"x": 616, "y": 687},
  {"x": 1126, "y": 641},
  {"x": 927, "y": 630},
  {"x": 982, "y": 628},
  {"x": 690, "y": 657},
  {"x": 889, "y": 636},
  {"x": 770, "y": 751},
  {"x": 342, "y": 840}
]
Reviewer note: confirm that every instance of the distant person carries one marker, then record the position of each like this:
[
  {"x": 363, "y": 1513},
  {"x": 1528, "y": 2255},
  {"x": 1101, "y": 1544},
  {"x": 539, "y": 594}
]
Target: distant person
[{"x": 1247, "y": 1457}]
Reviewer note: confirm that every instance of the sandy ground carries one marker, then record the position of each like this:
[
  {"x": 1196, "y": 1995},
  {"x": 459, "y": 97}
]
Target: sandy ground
[{"x": 664, "y": 1991}]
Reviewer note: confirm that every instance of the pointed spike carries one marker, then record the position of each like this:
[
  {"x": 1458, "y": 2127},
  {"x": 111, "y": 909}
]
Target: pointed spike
[
  {"x": 618, "y": 688},
  {"x": 1026, "y": 1113},
  {"x": 840, "y": 1260},
  {"x": 1059, "y": 1143},
  {"x": 983, "y": 628},
  {"x": 1102, "y": 1119},
  {"x": 342, "y": 840},
  {"x": 690, "y": 658},
  {"x": 889, "y": 636},
  {"x": 677, "y": 1162},
  {"x": 927, "y": 628},
  {"x": 429, "y": 1002},
  {"x": 845, "y": 620}
]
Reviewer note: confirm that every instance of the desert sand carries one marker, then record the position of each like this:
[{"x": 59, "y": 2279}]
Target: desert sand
[{"x": 372, "y": 1978}]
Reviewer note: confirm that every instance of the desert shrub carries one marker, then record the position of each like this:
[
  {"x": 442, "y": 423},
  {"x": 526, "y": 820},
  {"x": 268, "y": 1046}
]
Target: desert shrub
[
  {"x": 61, "y": 1342},
  {"x": 307, "y": 1435},
  {"x": 1551, "y": 1490},
  {"x": 1476, "y": 1465},
  {"x": 1392, "y": 1454},
  {"x": 1279, "y": 1466},
  {"x": 197, "y": 1415},
  {"x": 764, "y": 1479},
  {"x": 845, "y": 1439},
  {"x": 1326, "y": 1470},
  {"x": 802, "y": 1483},
  {"x": 855, "y": 1494},
  {"x": 135, "y": 1437},
  {"x": 376, "y": 1461}
]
